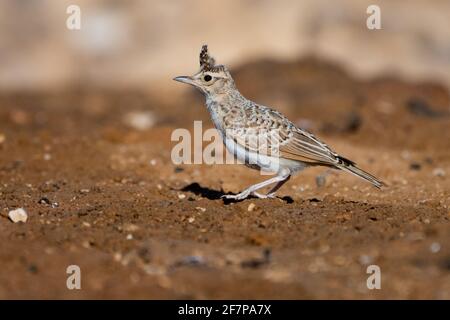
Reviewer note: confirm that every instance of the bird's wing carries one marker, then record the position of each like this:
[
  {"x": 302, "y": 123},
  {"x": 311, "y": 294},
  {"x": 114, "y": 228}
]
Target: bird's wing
[
  {"x": 268, "y": 132},
  {"x": 303, "y": 146}
]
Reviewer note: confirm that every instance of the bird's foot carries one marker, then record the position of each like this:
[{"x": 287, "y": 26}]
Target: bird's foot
[
  {"x": 245, "y": 194},
  {"x": 240, "y": 196}
]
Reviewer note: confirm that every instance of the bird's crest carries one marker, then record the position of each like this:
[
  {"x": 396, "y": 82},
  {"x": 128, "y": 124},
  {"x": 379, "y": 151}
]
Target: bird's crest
[{"x": 207, "y": 63}]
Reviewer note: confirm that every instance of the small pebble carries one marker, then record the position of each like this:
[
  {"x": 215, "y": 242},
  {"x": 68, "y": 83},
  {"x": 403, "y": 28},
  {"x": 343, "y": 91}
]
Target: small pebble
[
  {"x": 140, "y": 120},
  {"x": 320, "y": 180},
  {"x": 439, "y": 172},
  {"x": 251, "y": 207},
  {"x": 117, "y": 256},
  {"x": 191, "y": 219},
  {"x": 415, "y": 166},
  {"x": 45, "y": 200},
  {"x": 18, "y": 215},
  {"x": 200, "y": 209},
  {"x": 153, "y": 162},
  {"x": 2, "y": 138},
  {"x": 181, "y": 196},
  {"x": 129, "y": 236},
  {"x": 435, "y": 247}
]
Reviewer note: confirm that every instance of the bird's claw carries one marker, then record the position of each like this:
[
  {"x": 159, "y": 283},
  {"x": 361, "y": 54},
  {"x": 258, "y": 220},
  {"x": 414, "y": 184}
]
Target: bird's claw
[
  {"x": 244, "y": 195},
  {"x": 239, "y": 196}
]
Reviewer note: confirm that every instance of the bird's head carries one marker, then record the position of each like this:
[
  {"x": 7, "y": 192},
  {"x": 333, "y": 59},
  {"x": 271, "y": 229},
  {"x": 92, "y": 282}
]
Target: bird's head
[{"x": 212, "y": 79}]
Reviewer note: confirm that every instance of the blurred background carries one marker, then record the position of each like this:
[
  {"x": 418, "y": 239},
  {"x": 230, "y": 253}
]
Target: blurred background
[
  {"x": 86, "y": 118},
  {"x": 141, "y": 43}
]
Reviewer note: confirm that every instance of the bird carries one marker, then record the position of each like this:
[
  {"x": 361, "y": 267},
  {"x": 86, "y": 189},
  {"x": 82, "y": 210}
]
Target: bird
[{"x": 261, "y": 137}]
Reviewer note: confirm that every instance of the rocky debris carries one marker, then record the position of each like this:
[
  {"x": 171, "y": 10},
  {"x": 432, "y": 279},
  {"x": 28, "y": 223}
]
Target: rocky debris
[
  {"x": 46, "y": 201},
  {"x": 18, "y": 215}
]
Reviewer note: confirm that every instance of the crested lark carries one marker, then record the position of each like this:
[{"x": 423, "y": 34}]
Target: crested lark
[{"x": 284, "y": 148}]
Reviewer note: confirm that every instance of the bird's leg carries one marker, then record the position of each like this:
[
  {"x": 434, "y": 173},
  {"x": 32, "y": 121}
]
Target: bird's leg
[
  {"x": 252, "y": 189},
  {"x": 271, "y": 193},
  {"x": 244, "y": 194},
  {"x": 261, "y": 196}
]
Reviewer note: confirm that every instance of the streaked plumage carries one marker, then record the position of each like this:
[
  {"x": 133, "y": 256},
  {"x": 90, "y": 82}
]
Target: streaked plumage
[{"x": 243, "y": 124}]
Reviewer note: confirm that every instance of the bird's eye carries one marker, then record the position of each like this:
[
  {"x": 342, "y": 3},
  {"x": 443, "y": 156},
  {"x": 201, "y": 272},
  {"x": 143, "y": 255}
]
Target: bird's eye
[{"x": 207, "y": 78}]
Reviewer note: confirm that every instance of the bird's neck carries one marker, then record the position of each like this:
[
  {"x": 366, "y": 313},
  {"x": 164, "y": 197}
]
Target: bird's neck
[
  {"x": 219, "y": 106},
  {"x": 229, "y": 98}
]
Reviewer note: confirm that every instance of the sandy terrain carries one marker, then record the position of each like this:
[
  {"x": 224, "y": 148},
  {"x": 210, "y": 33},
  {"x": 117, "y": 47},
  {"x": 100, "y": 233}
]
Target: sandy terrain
[{"x": 105, "y": 196}]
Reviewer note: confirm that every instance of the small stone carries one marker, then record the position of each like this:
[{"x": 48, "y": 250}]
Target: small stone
[
  {"x": 435, "y": 247},
  {"x": 320, "y": 180},
  {"x": 251, "y": 207},
  {"x": 200, "y": 209},
  {"x": 47, "y": 157},
  {"x": 45, "y": 200},
  {"x": 85, "y": 191},
  {"x": 439, "y": 172},
  {"x": 153, "y": 162},
  {"x": 2, "y": 138},
  {"x": 129, "y": 236},
  {"x": 191, "y": 219},
  {"x": 181, "y": 196},
  {"x": 117, "y": 256},
  {"x": 18, "y": 215},
  {"x": 140, "y": 120},
  {"x": 178, "y": 169},
  {"x": 415, "y": 166}
]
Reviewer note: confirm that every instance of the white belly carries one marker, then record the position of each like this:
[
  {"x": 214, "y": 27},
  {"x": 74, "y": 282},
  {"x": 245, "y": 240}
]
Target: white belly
[{"x": 259, "y": 161}]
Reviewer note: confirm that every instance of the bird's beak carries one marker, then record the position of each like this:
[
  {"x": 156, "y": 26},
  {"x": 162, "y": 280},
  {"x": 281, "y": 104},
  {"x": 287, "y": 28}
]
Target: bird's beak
[{"x": 184, "y": 79}]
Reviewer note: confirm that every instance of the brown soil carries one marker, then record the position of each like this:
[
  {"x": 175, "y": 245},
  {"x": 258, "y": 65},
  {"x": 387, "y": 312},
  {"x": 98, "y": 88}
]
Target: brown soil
[{"x": 120, "y": 216}]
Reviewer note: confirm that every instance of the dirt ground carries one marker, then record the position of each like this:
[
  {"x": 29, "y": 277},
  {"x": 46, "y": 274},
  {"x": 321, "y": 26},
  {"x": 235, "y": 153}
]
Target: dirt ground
[{"x": 105, "y": 196}]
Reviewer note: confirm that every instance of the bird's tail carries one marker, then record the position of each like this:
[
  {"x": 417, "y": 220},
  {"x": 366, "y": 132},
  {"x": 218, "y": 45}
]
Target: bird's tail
[{"x": 352, "y": 168}]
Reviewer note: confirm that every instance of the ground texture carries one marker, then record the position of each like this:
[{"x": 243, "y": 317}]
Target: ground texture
[{"x": 105, "y": 196}]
